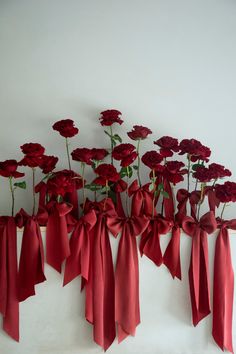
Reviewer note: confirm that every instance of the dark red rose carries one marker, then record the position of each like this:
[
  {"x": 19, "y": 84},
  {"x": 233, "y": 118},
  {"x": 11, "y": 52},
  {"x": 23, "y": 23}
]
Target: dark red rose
[
  {"x": 127, "y": 161},
  {"x": 59, "y": 184},
  {"x": 174, "y": 171},
  {"x": 139, "y": 132},
  {"x": 82, "y": 155},
  {"x": 75, "y": 177},
  {"x": 203, "y": 154},
  {"x": 99, "y": 154},
  {"x": 168, "y": 145},
  {"x": 120, "y": 186},
  {"x": 202, "y": 174},
  {"x": 226, "y": 192},
  {"x": 219, "y": 171},
  {"x": 32, "y": 149},
  {"x": 123, "y": 150},
  {"x": 48, "y": 163},
  {"x": 66, "y": 128},
  {"x": 152, "y": 159},
  {"x": 195, "y": 149},
  {"x": 106, "y": 172},
  {"x": 110, "y": 117},
  {"x": 31, "y": 161},
  {"x": 8, "y": 168}
]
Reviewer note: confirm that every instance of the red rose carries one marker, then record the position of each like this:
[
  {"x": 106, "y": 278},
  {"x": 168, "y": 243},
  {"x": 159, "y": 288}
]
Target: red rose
[
  {"x": 66, "y": 128},
  {"x": 8, "y": 168},
  {"x": 127, "y": 161},
  {"x": 75, "y": 177},
  {"x": 174, "y": 171},
  {"x": 202, "y": 154},
  {"x": 152, "y": 159},
  {"x": 226, "y": 192},
  {"x": 31, "y": 161},
  {"x": 48, "y": 163},
  {"x": 167, "y": 145},
  {"x": 139, "y": 132},
  {"x": 82, "y": 155},
  {"x": 219, "y": 171},
  {"x": 110, "y": 117},
  {"x": 59, "y": 184},
  {"x": 106, "y": 173},
  {"x": 99, "y": 154},
  {"x": 32, "y": 150},
  {"x": 195, "y": 149},
  {"x": 203, "y": 174}
]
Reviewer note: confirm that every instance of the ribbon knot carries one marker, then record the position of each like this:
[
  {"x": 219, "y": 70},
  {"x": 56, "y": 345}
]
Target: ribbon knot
[
  {"x": 183, "y": 196},
  {"x": 141, "y": 199}
]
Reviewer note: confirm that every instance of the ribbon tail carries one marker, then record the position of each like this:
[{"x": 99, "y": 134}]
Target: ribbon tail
[
  {"x": 72, "y": 198},
  {"x": 127, "y": 312},
  {"x": 150, "y": 245},
  {"x": 119, "y": 206},
  {"x": 168, "y": 202},
  {"x": 171, "y": 257},
  {"x": 223, "y": 292}
]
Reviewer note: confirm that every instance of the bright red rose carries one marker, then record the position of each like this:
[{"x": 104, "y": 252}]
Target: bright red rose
[
  {"x": 82, "y": 155},
  {"x": 174, "y": 171},
  {"x": 32, "y": 149},
  {"x": 203, "y": 154},
  {"x": 110, "y": 117},
  {"x": 123, "y": 150},
  {"x": 99, "y": 154},
  {"x": 139, "y": 132},
  {"x": 226, "y": 192},
  {"x": 66, "y": 128},
  {"x": 8, "y": 168},
  {"x": 203, "y": 174},
  {"x": 195, "y": 149},
  {"x": 75, "y": 177},
  {"x": 168, "y": 145},
  {"x": 59, "y": 184},
  {"x": 127, "y": 161},
  {"x": 106, "y": 173},
  {"x": 152, "y": 159},
  {"x": 31, "y": 161},
  {"x": 219, "y": 171},
  {"x": 48, "y": 163},
  {"x": 120, "y": 186}
]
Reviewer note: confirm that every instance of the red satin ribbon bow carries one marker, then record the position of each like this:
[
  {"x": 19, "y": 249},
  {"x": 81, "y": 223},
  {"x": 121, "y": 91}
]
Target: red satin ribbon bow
[
  {"x": 9, "y": 304},
  {"x": 78, "y": 261},
  {"x": 31, "y": 268},
  {"x": 223, "y": 288},
  {"x": 150, "y": 239},
  {"x": 142, "y": 199},
  {"x": 183, "y": 196},
  {"x": 199, "y": 267},
  {"x": 57, "y": 241},
  {"x": 171, "y": 256},
  {"x": 213, "y": 201},
  {"x": 127, "y": 312}
]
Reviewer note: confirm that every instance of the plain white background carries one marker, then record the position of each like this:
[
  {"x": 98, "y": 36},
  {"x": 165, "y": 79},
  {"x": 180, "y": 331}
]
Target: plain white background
[{"x": 165, "y": 64}]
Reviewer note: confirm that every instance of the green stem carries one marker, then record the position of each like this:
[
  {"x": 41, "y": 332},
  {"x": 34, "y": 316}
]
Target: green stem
[
  {"x": 154, "y": 189},
  {"x": 126, "y": 197},
  {"x": 83, "y": 189},
  {"x": 201, "y": 200},
  {"x": 222, "y": 212},
  {"x": 188, "y": 180},
  {"x": 34, "y": 196},
  {"x": 138, "y": 170},
  {"x": 112, "y": 145},
  {"x": 68, "y": 153},
  {"x": 12, "y": 196},
  {"x": 162, "y": 205},
  {"x": 106, "y": 195}
]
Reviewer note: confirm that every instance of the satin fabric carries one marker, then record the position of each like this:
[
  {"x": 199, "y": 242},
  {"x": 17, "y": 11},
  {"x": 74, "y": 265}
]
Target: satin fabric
[
  {"x": 141, "y": 203},
  {"x": 213, "y": 201},
  {"x": 223, "y": 288},
  {"x": 127, "y": 311},
  {"x": 57, "y": 240},
  {"x": 9, "y": 304},
  {"x": 199, "y": 264},
  {"x": 171, "y": 257},
  {"x": 183, "y": 197},
  {"x": 31, "y": 266}
]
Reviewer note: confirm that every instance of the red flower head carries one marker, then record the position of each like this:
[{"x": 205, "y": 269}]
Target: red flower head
[
  {"x": 195, "y": 149},
  {"x": 174, "y": 171},
  {"x": 33, "y": 154},
  {"x": 125, "y": 153},
  {"x": 219, "y": 171},
  {"x": 8, "y": 168},
  {"x": 59, "y": 184},
  {"x": 226, "y": 192},
  {"x": 203, "y": 174},
  {"x": 106, "y": 173},
  {"x": 66, "y": 128},
  {"x": 82, "y": 155},
  {"x": 99, "y": 154},
  {"x": 110, "y": 117},
  {"x": 48, "y": 163},
  {"x": 168, "y": 145},
  {"x": 152, "y": 159},
  {"x": 139, "y": 132},
  {"x": 75, "y": 177}
]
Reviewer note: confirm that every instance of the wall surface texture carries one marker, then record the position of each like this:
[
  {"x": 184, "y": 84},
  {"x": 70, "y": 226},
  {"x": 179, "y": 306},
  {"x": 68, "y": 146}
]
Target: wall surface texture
[{"x": 165, "y": 64}]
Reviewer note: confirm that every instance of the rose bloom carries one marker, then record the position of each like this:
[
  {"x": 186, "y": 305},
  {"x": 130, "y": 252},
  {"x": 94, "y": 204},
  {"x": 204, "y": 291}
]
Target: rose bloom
[
  {"x": 59, "y": 184},
  {"x": 8, "y": 168},
  {"x": 32, "y": 149},
  {"x": 31, "y": 161},
  {"x": 174, "y": 171},
  {"x": 75, "y": 177},
  {"x": 127, "y": 161},
  {"x": 202, "y": 154},
  {"x": 226, "y": 192},
  {"x": 167, "y": 145},
  {"x": 106, "y": 173},
  {"x": 66, "y": 128},
  {"x": 139, "y": 132},
  {"x": 123, "y": 150},
  {"x": 195, "y": 149},
  {"x": 152, "y": 159},
  {"x": 82, "y": 155},
  {"x": 110, "y": 117},
  {"x": 48, "y": 163},
  {"x": 219, "y": 171},
  {"x": 98, "y": 154},
  {"x": 203, "y": 174}
]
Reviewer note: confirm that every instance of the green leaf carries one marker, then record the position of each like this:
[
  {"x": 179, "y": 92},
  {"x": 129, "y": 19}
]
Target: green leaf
[
  {"x": 165, "y": 194},
  {"x": 135, "y": 167},
  {"x": 93, "y": 187},
  {"x": 160, "y": 187},
  {"x": 151, "y": 187},
  {"x": 196, "y": 165},
  {"x": 104, "y": 189},
  {"x": 156, "y": 193},
  {"x": 21, "y": 185},
  {"x": 126, "y": 171},
  {"x": 117, "y": 137}
]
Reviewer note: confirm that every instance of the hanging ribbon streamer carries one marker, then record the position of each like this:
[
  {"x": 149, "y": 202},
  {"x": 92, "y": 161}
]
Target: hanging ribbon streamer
[
  {"x": 199, "y": 267},
  {"x": 213, "y": 201},
  {"x": 31, "y": 267},
  {"x": 9, "y": 304},
  {"x": 127, "y": 312},
  {"x": 150, "y": 238},
  {"x": 78, "y": 261},
  {"x": 223, "y": 288},
  {"x": 171, "y": 256},
  {"x": 57, "y": 241}
]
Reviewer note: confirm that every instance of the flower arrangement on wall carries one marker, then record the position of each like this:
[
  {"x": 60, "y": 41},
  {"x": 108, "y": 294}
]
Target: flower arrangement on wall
[{"x": 80, "y": 217}]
